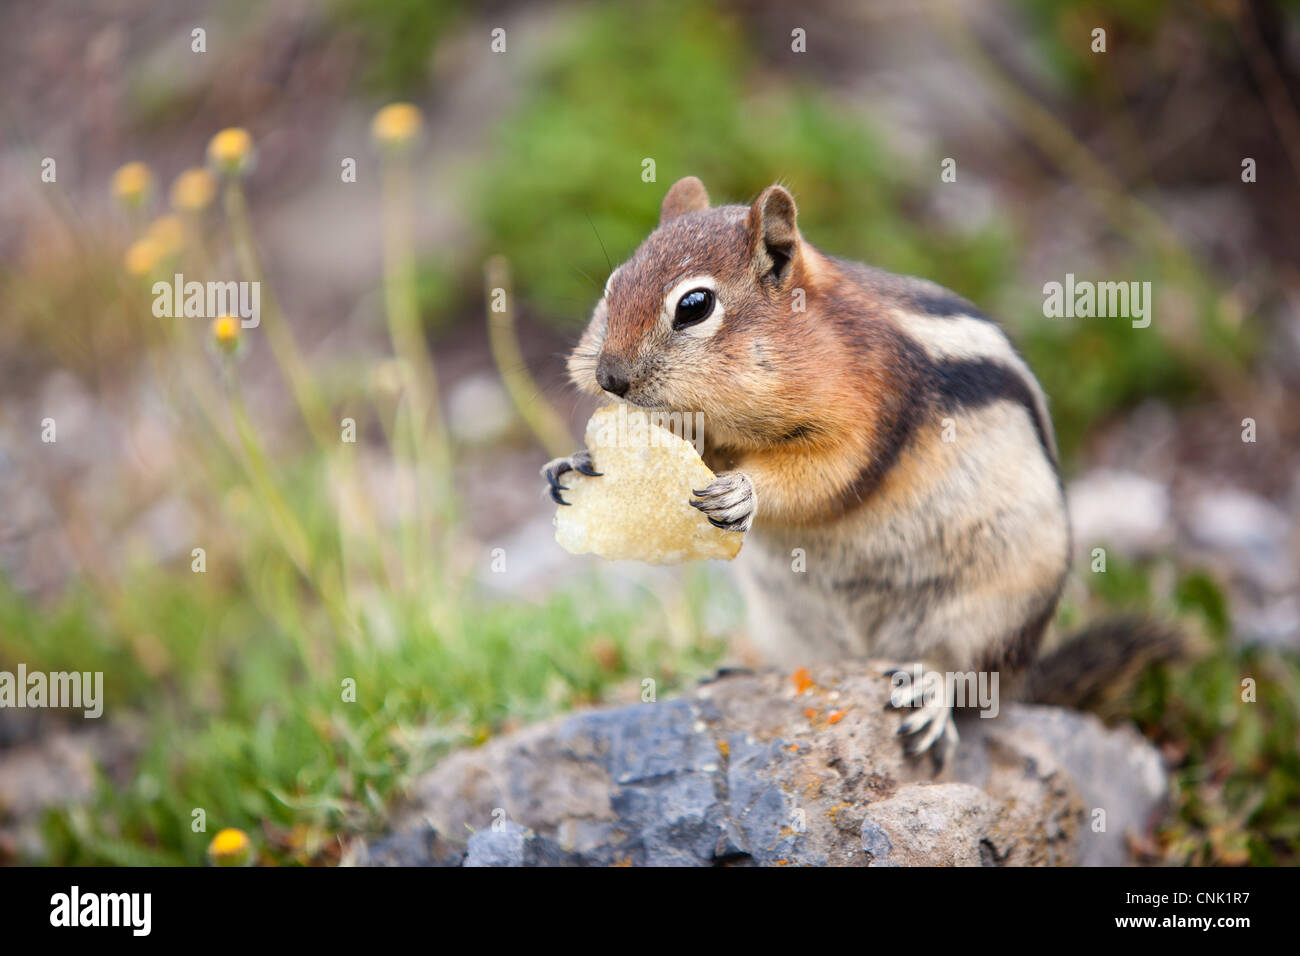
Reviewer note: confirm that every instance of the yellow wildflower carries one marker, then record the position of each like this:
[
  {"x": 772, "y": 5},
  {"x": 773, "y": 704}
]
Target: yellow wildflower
[
  {"x": 231, "y": 847},
  {"x": 132, "y": 184},
  {"x": 168, "y": 232},
  {"x": 225, "y": 332},
  {"x": 143, "y": 256},
  {"x": 231, "y": 150},
  {"x": 193, "y": 190},
  {"x": 397, "y": 124}
]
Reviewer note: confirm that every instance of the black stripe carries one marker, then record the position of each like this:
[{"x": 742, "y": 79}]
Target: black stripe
[
  {"x": 899, "y": 425},
  {"x": 921, "y": 384},
  {"x": 902, "y": 413},
  {"x": 944, "y": 305},
  {"x": 801, "y": 432},
  {"x": 918, "y": 295},
  {"x": 974, "y": 383}
]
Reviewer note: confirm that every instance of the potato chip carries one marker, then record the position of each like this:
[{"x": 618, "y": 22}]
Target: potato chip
[{"x": 638, "y": 509}]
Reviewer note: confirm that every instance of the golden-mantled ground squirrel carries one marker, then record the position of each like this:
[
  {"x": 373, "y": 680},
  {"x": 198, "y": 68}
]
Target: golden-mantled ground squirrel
[{"x": 886, "y": 448}]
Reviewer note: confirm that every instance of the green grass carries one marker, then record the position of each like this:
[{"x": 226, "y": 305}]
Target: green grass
[
  {"x": 1236, "y": 780},
  {"x": 236, "y": 722},
  {"x": 1235, "y": 769}
]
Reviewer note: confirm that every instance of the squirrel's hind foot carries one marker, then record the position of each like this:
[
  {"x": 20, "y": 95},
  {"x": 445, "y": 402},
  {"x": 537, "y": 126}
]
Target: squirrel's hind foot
[{"x": 932, "y": 721}]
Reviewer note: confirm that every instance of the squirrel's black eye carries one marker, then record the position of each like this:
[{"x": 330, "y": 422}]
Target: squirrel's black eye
[{"x": 692, "y": 308}]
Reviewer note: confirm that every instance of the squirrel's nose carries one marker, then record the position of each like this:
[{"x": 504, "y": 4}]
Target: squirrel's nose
[{"x": 611, "y": 375}]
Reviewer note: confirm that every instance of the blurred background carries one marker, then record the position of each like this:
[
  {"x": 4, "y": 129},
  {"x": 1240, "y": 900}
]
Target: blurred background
[{"x": 416, "y": 564}]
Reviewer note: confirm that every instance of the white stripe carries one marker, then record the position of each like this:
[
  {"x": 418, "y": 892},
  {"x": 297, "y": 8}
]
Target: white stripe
[{"x": 959, "y": 337}]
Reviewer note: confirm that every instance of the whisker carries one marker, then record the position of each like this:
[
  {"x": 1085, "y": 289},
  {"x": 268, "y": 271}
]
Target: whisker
[
  {"x": 586, "y": 276},
  {"x": 601, "y": 241}
]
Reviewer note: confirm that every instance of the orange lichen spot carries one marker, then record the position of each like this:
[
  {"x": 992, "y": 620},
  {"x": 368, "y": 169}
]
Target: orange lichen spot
[
  {"x": 810, "y": 713},
  {"x": 801, "y": 680},
  {"x": 835, "y": 716},
  {"x": 724, "y": 748}
]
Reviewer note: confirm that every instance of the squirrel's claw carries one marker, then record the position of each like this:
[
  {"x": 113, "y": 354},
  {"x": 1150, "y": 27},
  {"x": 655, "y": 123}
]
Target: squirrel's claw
[
  {"x": 583, "y": 464},
  {"x": 579, "y": 461},
  {"x": 932, "y": 720},
  {"x": 728, "y": 503},
  {"x": 551, "y": 471}
]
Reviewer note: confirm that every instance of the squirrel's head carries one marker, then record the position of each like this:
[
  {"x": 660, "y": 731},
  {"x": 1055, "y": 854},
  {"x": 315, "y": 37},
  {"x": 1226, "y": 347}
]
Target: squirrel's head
[{"x": 708, "y": 313}]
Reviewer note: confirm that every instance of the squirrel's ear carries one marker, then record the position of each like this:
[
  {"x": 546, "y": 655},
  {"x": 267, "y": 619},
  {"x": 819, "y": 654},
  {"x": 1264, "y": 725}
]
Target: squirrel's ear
[
  {"x": 686, "y": 195},
  {"x": 773, "y": 231}
]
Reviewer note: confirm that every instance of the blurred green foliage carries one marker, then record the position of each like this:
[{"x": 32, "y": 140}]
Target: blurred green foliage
[
  {"x": 1236, "y": 774},
  {"x": 1063, "y": 33},
  {"x": 570, "y": 158},
  {"x": 1235, "y": 767},
  {"x": 398, "y": 38},
  {"x": 1093, "y": 368}
]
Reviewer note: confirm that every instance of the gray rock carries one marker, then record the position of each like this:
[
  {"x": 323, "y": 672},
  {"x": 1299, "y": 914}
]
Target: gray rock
[
  {"x": 1274, "y": 622},
  {"x": 1121, "y": 510},
  {"x": 744, "y": 771},
  {"x": 50, "y": 763},
  {"x": 941, "y": 824},
  {"x": 1251, "y": 531},
  {"x": 479, "y": 410},
  {"x": 1116, "y": 772},
  {"x": 504, "y": 847}
]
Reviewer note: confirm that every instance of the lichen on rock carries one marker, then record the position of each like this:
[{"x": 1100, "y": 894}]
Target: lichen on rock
[{"x": 761, "y": 770}]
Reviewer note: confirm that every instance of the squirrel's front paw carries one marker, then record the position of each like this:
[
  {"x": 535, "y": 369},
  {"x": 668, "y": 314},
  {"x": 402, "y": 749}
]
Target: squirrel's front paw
[
  {"x": 729, "y": 502},
  {"x": 579, "y": 461}
]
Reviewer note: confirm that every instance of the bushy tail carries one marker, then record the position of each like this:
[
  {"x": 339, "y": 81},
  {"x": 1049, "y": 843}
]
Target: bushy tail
[{"x": 1100, "y": 663}]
